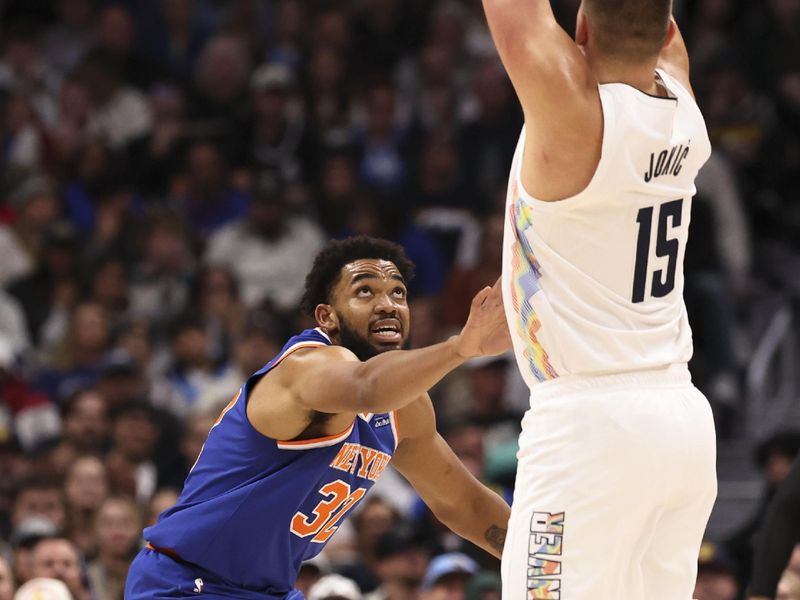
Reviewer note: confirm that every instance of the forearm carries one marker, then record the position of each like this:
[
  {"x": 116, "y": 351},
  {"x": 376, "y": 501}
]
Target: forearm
[
  {"x": 394, "y": 379},
  {"x": 485, "y": 523}
]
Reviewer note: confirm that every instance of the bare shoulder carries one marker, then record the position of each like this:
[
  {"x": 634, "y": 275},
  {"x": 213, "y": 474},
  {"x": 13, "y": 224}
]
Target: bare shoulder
[{"x": 274, "y": 407}]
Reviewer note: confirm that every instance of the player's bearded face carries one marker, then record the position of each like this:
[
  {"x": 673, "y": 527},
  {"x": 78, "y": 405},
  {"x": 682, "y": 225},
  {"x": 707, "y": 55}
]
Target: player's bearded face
[{"x": 359, "y": 343}]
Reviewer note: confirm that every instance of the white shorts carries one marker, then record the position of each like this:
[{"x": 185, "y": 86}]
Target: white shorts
[{"x": 615, "y": 484}]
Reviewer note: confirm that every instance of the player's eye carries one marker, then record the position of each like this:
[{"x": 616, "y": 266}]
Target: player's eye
[
  {"x": 363, "y": 292},
  {"x": 399, "y": 292}
]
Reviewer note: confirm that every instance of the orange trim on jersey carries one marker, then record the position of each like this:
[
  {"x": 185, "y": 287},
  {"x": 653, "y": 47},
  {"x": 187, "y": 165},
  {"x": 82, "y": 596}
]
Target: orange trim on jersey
[
  {"x": 227, "y": 408},
  {"x": 328, "y": 438},
  {"x": 396, "y": 415},
  {"x": 299, "y": 346}
]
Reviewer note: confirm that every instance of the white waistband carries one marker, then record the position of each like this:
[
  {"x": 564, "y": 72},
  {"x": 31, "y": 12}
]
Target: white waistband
[{"x": 671, "y": 376}]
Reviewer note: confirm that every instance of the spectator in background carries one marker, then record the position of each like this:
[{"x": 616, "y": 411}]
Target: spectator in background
[
  {"x": 381, "y": 142},
  {"x": 716, "y": 578},
  {"x": 157, "y": 156},
  {"x": 375, "y": 518},
  {"x": 400, "y": 563},
  {"x": 22, "y": 138},
  {"x": 218, "y": 104},
  {"x": 269, "y": 250},
  {"x": 337, "y": 195},
  {"x": 85, "y": 428},
  {"x": 38, "y": 497},
  {"x": 69, "y": 130},
  {"x": 464, "y": 282},
  {"x": 7, "y": 586},
  {"x": 329, "y": 103},
  {"x": 48, "y": 294},
  {"x": 130, "y": 462},
  {"x": 26, "y": 414},
  {"x": 172, "y": 33},
  {"x": 85, "y": 489},
  {"x": 59, "y": 558},
  {"x": 447, "y": 577},
  {"x": 36, "y": 206},
  {"x": 117, "y": 529},
  {"x": 289, "y": 45},
  {"x": 488, "y": 140},
  {"x": 160, "y": 282},
  {"x": 195, "y": 368},
  {"x": 13, "y": 329},
  {"x": 66, "y": 41},
  {"x": 194, "y": 436},
  {"x": 216, "y": 297},
  {"x": 774, "y": 456},
  {"x": 107, "y": 286},
  {"x": 77, "y": 356},
  {"x": 24, "y": 72},
  {"x": 115, "y": 38},
  {"x": 278, "y": 139},
  {"x": 120, "y": 113},
  {"x": 208, "y": 201}
]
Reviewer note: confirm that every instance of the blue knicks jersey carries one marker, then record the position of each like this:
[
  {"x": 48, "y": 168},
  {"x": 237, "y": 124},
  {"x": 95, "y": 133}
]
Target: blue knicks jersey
[{"x": 253, "y": 508}]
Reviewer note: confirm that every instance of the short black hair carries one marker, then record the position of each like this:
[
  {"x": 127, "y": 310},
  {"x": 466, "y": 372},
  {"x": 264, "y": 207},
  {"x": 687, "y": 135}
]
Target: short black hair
[
  {"x": 338, "y": 253},
  {"x": 629, "y": 29}
]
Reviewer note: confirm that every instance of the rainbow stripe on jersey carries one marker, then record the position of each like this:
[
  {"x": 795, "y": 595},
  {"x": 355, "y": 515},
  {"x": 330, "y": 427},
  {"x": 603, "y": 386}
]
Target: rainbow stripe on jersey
[{"x": 525, "y": 275}]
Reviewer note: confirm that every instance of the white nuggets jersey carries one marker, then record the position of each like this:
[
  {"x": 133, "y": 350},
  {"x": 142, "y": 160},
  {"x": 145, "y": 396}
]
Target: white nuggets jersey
[{"x": 594, "y": 284}]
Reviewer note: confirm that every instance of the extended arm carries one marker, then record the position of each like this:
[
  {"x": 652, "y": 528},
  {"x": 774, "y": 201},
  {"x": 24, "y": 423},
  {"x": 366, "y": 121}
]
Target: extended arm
[
  {"x": 332, "y": 380},
  {"x": 457, "y": 499},
  {"x": 779, "y": 534}
]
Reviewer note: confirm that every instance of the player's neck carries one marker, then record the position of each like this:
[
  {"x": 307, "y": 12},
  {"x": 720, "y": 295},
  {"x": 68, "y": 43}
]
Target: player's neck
[{"x": 641, "y": 76}]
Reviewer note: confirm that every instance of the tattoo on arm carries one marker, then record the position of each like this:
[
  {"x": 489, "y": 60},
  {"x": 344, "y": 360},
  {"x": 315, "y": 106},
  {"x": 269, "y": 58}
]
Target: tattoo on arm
[{"x": 496, "y": 537}]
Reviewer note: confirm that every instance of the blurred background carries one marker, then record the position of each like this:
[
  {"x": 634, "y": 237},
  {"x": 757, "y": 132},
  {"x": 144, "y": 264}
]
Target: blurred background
[{"x": 169, "y": 169}]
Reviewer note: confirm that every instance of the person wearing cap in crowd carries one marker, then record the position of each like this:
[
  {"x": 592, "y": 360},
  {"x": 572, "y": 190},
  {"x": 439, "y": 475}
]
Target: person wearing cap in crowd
[
  {"x": 447, "y": 577},
  {"x": 334, "y": 587},
  {"x": 43, "y": 588},
  {"x": 278, "y": 137},
  {"x": 270, "y": 250},
  {"x": 716, "y": 579}
]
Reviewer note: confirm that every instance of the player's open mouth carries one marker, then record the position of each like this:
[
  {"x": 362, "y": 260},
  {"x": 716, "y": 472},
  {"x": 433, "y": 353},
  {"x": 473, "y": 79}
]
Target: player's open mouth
[{"x": 387, "y": 331}]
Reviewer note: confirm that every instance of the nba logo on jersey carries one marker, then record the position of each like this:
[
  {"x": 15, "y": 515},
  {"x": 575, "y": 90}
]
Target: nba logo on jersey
[{"x": 198, "y": 586}]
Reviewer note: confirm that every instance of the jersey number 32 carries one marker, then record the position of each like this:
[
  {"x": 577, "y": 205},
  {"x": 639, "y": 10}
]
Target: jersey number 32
[
  {"x": 327, "y": 513},
  {"x": 669, "y": 217}
]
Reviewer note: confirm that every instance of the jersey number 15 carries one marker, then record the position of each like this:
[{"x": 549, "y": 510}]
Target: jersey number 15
[{"x": 669, "y": 217}]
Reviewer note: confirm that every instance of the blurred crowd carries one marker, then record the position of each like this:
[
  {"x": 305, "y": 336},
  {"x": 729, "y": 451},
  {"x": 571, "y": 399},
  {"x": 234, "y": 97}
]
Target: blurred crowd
[{"x": 169, "y": 169}]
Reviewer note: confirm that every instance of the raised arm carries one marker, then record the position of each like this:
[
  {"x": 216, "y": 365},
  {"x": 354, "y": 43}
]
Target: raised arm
[
  {"x": 674, "y": 58},
  {"x": 548, "y": 70},
  {"x": 457, "y": 499}
]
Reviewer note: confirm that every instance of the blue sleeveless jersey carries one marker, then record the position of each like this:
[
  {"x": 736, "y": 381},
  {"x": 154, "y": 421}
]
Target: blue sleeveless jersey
[{"x": 253, "y": 508}]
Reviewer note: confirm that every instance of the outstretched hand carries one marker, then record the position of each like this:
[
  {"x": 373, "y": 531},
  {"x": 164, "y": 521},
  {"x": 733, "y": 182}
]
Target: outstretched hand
[{"x": 486, "y": 331}]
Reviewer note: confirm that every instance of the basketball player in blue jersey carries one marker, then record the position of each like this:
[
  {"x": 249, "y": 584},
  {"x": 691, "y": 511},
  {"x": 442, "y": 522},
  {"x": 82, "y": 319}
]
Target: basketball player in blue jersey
[
  {"x": 616, "y": 473},
  {"x": 308, "y": 435}
]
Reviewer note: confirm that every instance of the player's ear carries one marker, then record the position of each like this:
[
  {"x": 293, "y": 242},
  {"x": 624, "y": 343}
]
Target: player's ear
[
  {"x": 672, "y": 29},
  {"x": 581, "y": 29},
  {"x": 326, "y": 317}
]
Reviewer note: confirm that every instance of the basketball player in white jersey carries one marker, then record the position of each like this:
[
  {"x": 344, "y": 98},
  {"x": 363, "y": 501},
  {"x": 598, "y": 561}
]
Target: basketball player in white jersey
[{"x": 616, "y": 475}]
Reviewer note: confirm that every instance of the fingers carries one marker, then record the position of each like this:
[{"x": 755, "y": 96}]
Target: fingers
[{"x": 480, "y": 297}]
